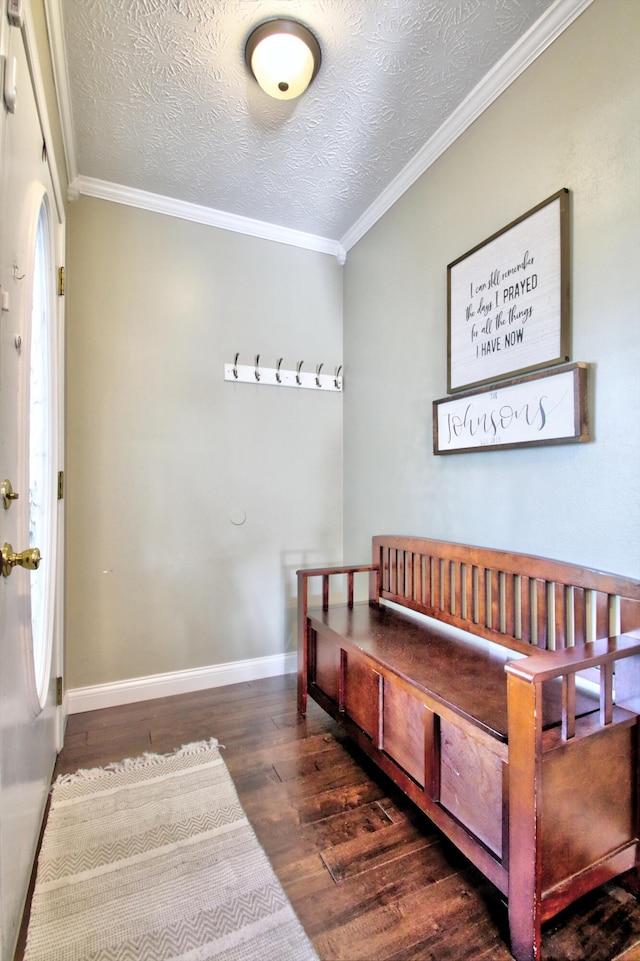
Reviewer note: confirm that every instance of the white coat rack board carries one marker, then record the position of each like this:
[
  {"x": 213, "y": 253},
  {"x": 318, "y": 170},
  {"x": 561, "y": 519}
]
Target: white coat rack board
[{"x": 279, "y": 376}]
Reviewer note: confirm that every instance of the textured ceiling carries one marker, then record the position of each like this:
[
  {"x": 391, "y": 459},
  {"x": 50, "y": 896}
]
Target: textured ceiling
[{"x": 161, "y": 100}]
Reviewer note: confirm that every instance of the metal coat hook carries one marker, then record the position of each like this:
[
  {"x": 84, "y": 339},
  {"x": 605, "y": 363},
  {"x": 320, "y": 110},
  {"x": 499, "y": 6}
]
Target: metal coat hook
[
  {"x": 15, "y": 273},
  {"x": 279, "y": 375}
]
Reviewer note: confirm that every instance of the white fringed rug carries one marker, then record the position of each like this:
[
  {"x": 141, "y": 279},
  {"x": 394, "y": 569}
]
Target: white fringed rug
[{"x": 154, "y": 859}]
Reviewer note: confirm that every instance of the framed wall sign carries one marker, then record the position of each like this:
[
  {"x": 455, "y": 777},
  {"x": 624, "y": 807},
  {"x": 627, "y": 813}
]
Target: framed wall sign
[
  {"x": 508, "y": 299},
  {"x": 528, "y": 411}
]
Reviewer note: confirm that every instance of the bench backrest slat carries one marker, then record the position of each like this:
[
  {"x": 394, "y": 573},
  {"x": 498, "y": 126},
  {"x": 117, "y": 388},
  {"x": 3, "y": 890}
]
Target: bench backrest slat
[{"x": 518, "y": 600}]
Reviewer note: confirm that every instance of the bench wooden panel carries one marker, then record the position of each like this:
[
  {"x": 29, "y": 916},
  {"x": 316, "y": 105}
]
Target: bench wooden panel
[
  {"x": 471, "y": 784},
  {"x": 489, "y": 731},
  {"x": 403, "y": 730},
  {"x": 361, "y": 684}
]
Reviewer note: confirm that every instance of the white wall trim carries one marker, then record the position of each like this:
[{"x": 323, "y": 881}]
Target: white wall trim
[
  {"x": 31, "y": 49},
  {"x": 53, "y": 14},
  {"x": 179, "y": 682},
  {"x": 527, "y": 49},
  {"x": 145, "y": 200}
]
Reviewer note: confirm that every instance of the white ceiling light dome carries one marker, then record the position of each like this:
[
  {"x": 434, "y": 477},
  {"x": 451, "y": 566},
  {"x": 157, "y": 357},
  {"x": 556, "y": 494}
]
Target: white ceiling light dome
[{"x": 284, "y": 57}]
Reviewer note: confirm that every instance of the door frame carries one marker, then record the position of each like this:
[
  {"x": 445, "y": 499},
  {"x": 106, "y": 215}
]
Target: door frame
[
  {"x": 57, "y": 652},
  {"x": 33, "y": 59}
]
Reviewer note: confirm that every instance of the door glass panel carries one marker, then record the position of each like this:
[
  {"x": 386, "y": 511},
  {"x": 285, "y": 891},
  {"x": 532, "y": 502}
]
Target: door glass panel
[{"x": 42, "y": 487}]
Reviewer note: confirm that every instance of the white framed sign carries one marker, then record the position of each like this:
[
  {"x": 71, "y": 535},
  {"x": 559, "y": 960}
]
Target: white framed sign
[
  {"x": 508, "y": 299},
  {"x": 536, "y": 409}
]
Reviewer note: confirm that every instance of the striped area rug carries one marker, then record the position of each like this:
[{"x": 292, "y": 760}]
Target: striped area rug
[{"x": 152, "y": 859}]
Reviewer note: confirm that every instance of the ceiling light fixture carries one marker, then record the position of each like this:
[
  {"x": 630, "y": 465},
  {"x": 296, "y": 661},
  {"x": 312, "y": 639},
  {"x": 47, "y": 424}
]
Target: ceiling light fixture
[{"x": 284, "y": 57}]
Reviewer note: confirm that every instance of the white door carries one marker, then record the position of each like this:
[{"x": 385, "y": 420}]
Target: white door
[{"x": 31, "y": 235}]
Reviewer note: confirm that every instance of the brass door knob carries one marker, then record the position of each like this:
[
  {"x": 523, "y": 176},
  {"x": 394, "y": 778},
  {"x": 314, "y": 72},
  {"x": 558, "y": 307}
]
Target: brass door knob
[
  {"x": 7, "y": 494},
  {"x": 10, "y": 559}
]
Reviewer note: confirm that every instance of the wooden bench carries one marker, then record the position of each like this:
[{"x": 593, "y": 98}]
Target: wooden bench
[{"x": 509, "y": 714}]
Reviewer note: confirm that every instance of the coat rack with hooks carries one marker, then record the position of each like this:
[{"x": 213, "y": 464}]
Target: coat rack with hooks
[{"x": 278, "y": 376}]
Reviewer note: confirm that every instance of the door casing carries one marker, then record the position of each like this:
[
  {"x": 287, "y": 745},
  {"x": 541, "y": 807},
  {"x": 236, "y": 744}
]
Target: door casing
[{"x": 29, "y": 739}]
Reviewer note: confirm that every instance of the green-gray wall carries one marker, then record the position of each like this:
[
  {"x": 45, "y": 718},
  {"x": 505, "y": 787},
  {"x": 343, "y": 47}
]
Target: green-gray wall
[
  {"x": 571, "y": 120},
  {"x": 161, "y": 450}
]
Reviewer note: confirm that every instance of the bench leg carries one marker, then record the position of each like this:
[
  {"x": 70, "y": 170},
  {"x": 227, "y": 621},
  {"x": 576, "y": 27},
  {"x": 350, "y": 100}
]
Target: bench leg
[
  {"x": 525, "y": 932},
  {"x": 302, "y": 696},
  {"x": 303, "y": 678},
  {"x": 525, "y": 744},
  {"x": 303, "y": 645}
]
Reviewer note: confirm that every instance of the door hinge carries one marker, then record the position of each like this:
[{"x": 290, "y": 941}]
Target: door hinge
[
  {"x": 60, "y": 485},
  {"x": 60, "y": 281},
  {"x": 58, "y": 692}
]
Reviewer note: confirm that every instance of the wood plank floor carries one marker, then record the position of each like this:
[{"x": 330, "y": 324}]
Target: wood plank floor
[{"x": 368, "y": 875}]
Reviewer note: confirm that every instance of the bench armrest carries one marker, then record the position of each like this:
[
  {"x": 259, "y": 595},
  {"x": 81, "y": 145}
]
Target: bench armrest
[
  {"x": 544, "y": 665},
  {"x": 619, "y": 656},
  {"x": 322, "y": 571},
  {"x": 305, "y": 575},
  {"x": 326, "y": 573}
]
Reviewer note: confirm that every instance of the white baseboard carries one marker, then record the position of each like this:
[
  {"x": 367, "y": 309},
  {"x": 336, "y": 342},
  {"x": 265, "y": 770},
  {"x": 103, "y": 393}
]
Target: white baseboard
[{"x": 180, "y": 682}]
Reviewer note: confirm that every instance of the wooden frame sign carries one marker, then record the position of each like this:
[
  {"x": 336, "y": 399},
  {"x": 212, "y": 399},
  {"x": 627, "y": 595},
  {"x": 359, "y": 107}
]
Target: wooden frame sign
[
  {"x": 549, "y": 408},
  {"x": 508, "y": 299}
]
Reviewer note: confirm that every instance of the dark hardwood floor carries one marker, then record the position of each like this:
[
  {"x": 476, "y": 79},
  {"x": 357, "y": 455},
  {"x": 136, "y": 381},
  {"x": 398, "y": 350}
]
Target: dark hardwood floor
[{"x": 367, "y": 874}]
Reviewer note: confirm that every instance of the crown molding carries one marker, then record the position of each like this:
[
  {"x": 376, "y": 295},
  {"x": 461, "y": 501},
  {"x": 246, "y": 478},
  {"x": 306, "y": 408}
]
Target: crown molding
[
  {"x": 158, "y": 203},
  {"x": 523, "y": 53}
]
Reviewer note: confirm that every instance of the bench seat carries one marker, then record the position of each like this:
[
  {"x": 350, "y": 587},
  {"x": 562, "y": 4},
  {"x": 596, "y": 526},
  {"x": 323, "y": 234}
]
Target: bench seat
[{"x": 456, "y": 669}]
